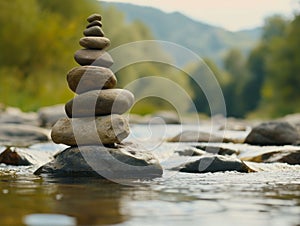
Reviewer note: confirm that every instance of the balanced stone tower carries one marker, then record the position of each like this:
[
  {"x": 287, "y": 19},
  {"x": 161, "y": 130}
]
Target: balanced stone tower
[{"x": 95, "y": 127}]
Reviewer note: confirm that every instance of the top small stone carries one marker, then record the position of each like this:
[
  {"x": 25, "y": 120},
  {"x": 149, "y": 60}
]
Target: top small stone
[{"x": 93, "y": 17}]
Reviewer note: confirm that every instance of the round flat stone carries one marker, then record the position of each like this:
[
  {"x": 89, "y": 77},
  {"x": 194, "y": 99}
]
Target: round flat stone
[
  {"x": 94, "y": 31},
  {"x": 86, "y": 131},
  {"x": 94, "y": 42},
  {"x": 93, "y": 57},
  {"x": 87, "y": 78},
  {"x": 99, "y": 102},
  {"x": 93, "y": 17},
  {"x": 94, "y": 23}
]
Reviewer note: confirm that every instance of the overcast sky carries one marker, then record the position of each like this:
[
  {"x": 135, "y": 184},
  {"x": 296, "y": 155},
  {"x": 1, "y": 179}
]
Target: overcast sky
[{"x": 230, "y": 14}]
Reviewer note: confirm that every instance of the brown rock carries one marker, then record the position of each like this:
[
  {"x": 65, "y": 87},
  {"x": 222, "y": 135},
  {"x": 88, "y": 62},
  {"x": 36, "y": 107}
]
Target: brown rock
[
  {"x": 93, "y": 17},
  {"x": 94, "y": 42},
  {"x": 90, "y": 131},
  {"x": 99, "y": 102},
  {"x": 95, "y": 57},
  {"x": 94, "y": 31},
  {"x": 94, "y": 23},
  {"x": 86, "y": 78}
]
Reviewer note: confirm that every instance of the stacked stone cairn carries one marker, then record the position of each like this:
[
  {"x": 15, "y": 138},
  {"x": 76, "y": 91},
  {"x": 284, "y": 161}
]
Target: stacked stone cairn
[{"x": 95, "y": 126}]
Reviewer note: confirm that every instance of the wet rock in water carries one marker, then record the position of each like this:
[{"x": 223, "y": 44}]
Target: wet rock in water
[
  {"x": 217, "y": 150},
  {"x": 190, "y": 151},
  {"x": 48, "y": 116},
  {"x": 16, "y": 116},
  {"x": 24, "y": 156},
  {"x": 93, "y": 57},
  {"x": 18, "y": 133},
  {"x": 94, "y": 31},
  {"x": 100, "y": 102},
  {"x": 213, "y": 164},
  {"x": 87, "y": 78},
  {"x": 93, "y": 17},
  {"x": 90, "y": 131},
  {"x": 94, "y": 23},
  {"x": 121, "y": 162},
  {"x": 94, "y": 42},
  {"x": 291, "y": 157},
  {"x": 273, "y": 133},
  {"x": 196, "y": 136}
]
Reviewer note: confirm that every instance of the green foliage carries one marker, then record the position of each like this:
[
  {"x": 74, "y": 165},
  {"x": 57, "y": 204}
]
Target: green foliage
[{"x": 37, "y": 46}]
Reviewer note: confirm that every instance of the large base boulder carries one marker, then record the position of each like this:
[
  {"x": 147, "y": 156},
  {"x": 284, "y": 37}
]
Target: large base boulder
[{"x": 120, "y": 162}]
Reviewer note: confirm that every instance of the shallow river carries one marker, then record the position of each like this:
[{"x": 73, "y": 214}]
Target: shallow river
[{"x": 230, "y": 198}]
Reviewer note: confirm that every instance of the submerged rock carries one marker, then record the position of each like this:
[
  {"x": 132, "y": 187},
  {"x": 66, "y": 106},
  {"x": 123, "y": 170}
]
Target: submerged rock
[
  {"x": 213, "y": 164},
  {"x": 291, "y": 157},
  {"x": 121, "y": 162},
  {"x": 273, "y": 133}
]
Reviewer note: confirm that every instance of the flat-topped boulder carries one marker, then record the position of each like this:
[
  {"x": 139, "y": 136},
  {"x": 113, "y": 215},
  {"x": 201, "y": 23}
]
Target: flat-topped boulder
[
  {"x": 100, "y": 102},
  {"x": 120, "y": 162},
  {"x": 93, "y": 57},
  {"x": 90, "y": 131},
  {"x": 87, "y": 78}
]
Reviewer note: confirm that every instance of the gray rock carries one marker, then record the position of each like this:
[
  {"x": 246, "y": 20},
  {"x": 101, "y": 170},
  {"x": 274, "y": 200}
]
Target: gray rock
[
  {"x": 121, "y": 162},
  {"x": 167, "y": 117},
  {"x": 196, "y": 136},
  {"x": 94, "y": 31},
  {"x": 86, "y": 78},
  {"x": 19, "y": 134},
  {"x": 93, "y": 57},
  {"x": 213, "y": 164},
  {"x": 94, "y": 42},
  {"x": 48, "y": 116},
  {"x": 273, "y": 133},
  {"x": 217, "y": 150},
  {"x": 94, "y": 23},
  {"x": 18, "y": 156},
  {"x": 89, "y": 131},
  {"x": 16, "y": 116},
  {"x": 100, "y": 102},
  {"x": 291, "y": 157},
  {"x": 94, "y": 16}
]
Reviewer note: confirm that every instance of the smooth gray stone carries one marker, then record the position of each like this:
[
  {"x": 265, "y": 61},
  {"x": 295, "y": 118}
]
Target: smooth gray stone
[
  {"x": 48, "y": 116},
  {"x": 94, "y": 31},
  {"x": 94, "y": 16},
  {"x": 94, "y": 23},
  {"x": 18, "y": 133},
  {"x": 273, "y": 133},
  {"x": 121, "y": 162},
  {"x": 13, "y": 115},
  {"x": 93, "y": 57},
  {"x": 100, "y": 102},
  {"x": 88, "y": 131},
  {"x": 94, "y": 42},
  {"x": 86, "y": 78},
  {"x": 215, "y": 163}
]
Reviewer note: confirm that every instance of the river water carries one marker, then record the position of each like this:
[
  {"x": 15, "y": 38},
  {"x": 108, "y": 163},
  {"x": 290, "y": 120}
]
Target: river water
[{"x": 263, "y": 198}]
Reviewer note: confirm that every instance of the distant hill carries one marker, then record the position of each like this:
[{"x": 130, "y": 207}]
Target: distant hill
[{"x": 206, "y": 40}]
